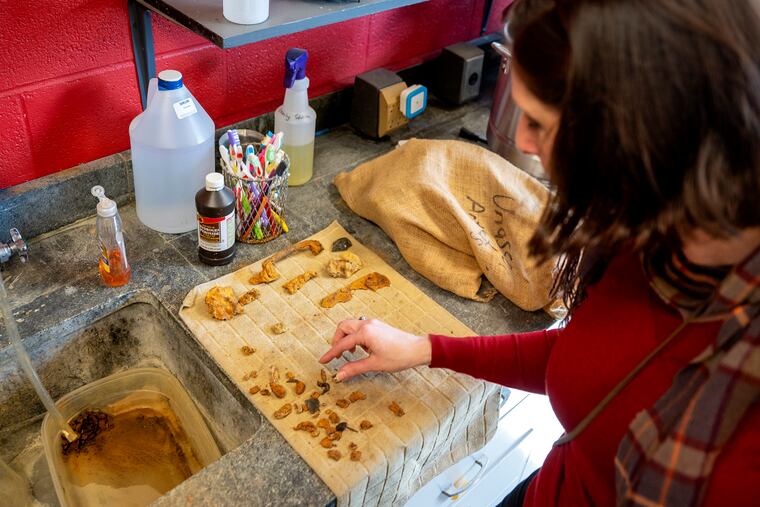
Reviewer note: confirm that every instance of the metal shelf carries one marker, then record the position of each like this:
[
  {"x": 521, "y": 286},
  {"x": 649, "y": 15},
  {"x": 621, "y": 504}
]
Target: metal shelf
[{"x": 205, "y": 18}]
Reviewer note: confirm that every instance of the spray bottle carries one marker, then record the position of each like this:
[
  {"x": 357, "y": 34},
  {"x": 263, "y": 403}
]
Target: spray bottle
[
  {"x": 296, "y": 120},
  {"x": 113, "y": 264}
]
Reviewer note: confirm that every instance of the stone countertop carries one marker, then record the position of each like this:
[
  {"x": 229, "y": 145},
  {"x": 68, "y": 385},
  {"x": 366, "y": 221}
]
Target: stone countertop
[{"x": 61, "y": 285}]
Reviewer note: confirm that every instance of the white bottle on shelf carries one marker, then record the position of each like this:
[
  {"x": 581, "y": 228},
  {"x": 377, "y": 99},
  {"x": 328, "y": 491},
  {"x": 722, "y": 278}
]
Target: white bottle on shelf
[
  {"x": 246, "y": 12},
  {"x": 172, "y": 145},
  {"x": 296, "y": 119}
]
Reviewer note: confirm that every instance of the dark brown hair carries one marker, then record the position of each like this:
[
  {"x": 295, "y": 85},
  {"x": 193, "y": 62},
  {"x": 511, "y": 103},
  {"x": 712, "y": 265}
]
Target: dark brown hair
[{"x": 659, "y": 130}]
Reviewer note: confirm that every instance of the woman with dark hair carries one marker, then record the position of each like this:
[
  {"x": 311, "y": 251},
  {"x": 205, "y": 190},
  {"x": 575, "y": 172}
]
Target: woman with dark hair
[{"x": 647, "y": 117}]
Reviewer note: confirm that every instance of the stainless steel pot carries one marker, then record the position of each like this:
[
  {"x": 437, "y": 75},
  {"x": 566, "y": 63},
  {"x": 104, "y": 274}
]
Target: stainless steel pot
[{"x": 502, "y": 123}]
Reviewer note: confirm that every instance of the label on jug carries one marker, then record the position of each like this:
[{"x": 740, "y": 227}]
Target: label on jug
[
  {"x": 216, "y": 234},
  {"x": 185, "y": 108}
]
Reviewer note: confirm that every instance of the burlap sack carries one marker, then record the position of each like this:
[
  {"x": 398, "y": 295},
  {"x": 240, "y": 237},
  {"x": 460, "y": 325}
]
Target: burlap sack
[{"x": 456, "y": 212}]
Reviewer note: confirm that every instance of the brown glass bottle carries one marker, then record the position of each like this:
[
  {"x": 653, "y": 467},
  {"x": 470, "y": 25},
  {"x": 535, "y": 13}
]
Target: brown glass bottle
[{"x": 216, "y": 221}]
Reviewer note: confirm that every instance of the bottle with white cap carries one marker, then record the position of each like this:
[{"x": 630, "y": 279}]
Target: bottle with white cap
[
  {"x": 113, "y": 265},
  {"x": 215, "y": 204},
  {"x": 172, "y": 145}
]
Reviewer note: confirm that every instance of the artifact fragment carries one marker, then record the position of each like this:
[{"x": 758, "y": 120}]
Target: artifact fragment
[
  {"x": 277, "y": 389},
  {"x": 278, "y": 328},
  {"x": 248, "y": 297},
  {"x": 300, "y": 387},
  {"x": 344, "y": 265},
  {"x": 341, "y": 245},
  {"x": 296, "y": 283},
  {"x": 396, "y": 409},
  {"x": 267, "y": 274},
  {"x": 312, "y": 405},
  {"x": 373, "y": 281},
  {"x": 322, "y": 382},
  {"x": 222, "y": 303},
  {"x": 246, "y": 350},
  {"x": 283, "y": 411},
  {"x": 305, "y": 426},
  {"x": 356, "y": 396}
]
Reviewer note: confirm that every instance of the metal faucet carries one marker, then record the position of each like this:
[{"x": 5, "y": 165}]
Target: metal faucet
[{"x": 17, "y": 245}]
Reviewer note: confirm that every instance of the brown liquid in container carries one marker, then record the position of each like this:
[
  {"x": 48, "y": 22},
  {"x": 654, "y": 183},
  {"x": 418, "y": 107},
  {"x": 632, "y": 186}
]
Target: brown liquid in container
[{"x": 142, "y": 454}]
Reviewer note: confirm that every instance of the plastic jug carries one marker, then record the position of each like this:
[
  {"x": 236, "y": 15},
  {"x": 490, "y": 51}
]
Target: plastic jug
[{"x": 172, "y": 145}]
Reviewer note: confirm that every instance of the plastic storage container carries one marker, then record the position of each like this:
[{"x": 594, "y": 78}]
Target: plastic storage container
[
  {"x": 14, "y": 489},
  {"x": 128, "y": 390},
  {"x": 172, "y": 145}
]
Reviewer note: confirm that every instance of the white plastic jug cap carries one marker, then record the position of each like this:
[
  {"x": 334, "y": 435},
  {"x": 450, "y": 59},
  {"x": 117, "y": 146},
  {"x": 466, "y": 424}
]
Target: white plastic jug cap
[
  {"x": 106, "y": 207},
  {"x": 214, "y": 181},
  {"x": 170, "y": 75}
]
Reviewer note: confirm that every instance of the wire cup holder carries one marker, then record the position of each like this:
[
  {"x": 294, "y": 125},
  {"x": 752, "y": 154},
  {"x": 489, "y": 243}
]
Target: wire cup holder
[{"x": 259, "y": 201}]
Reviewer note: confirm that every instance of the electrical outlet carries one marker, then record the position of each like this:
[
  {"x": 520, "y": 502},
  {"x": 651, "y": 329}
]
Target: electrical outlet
[{"x": 390, "y": 109}]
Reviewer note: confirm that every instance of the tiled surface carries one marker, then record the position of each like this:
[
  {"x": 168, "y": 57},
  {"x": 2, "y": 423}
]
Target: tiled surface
[
  {"x": 60, "y": 286},
  {"x": 309, "y": 329}
]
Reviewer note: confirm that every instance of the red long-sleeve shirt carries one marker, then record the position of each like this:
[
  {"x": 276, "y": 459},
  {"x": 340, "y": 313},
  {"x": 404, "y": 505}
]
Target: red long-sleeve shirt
[{"x": 620, "y": 322}]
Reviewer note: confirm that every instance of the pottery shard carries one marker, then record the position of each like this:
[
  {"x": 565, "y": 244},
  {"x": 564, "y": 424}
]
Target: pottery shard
[
  {"x": 296, "y": 283},
  {"x": 339, "y": 296},
  {"x": 248, "y": 297},
  {"x": 267, "y": 274},
  {"x": 373, "y": 281},
  {"x": 283, "y": 411},
  {"x": 307, "y": 244},
  {"x": 341, "y": 244},
  {"x": 222, "y": 303},
  {"x": 344, "y": 265}
]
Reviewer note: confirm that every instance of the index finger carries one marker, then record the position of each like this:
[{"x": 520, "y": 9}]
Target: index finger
[
  {"x": 345, "y": 328},
  {"x": 347, "y": 342}
]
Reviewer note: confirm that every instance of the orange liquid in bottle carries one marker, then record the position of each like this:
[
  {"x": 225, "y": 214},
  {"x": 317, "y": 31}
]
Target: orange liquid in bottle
[{"x": 116, "y": 272}]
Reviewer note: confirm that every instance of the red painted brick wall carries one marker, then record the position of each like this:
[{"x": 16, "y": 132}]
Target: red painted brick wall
[{"x": 68, "y": 88}]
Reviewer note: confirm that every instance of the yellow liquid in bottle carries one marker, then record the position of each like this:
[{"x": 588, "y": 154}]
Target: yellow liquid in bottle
[{"x": 301, "y": 163}]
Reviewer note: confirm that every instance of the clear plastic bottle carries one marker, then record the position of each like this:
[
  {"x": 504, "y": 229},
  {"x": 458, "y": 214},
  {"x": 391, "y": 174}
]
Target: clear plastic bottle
[
  {"x": 296, "y": 119},
  {"x": 113, "y": 265},
  {"x": 172, "y": 145}
]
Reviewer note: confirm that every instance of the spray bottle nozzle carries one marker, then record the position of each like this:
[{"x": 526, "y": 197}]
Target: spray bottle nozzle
[
  {"x": 295, "y": 65},
  {"x": 106, "y": 207}
]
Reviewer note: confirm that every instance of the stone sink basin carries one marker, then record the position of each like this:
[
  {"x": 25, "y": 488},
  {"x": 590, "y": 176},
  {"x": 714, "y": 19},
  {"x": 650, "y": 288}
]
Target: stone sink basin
[{"x": 138, "y": 332}]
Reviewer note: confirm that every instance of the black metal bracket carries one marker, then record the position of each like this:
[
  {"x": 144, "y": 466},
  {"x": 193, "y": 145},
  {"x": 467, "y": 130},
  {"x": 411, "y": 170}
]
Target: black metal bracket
[
  {"x": 142, "y": 46},
  {"x": 486, "y": 16}
]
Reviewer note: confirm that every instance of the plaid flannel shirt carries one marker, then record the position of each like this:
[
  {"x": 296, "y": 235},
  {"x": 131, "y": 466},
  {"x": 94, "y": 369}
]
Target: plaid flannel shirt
[{"x": 669, "y": 450}]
